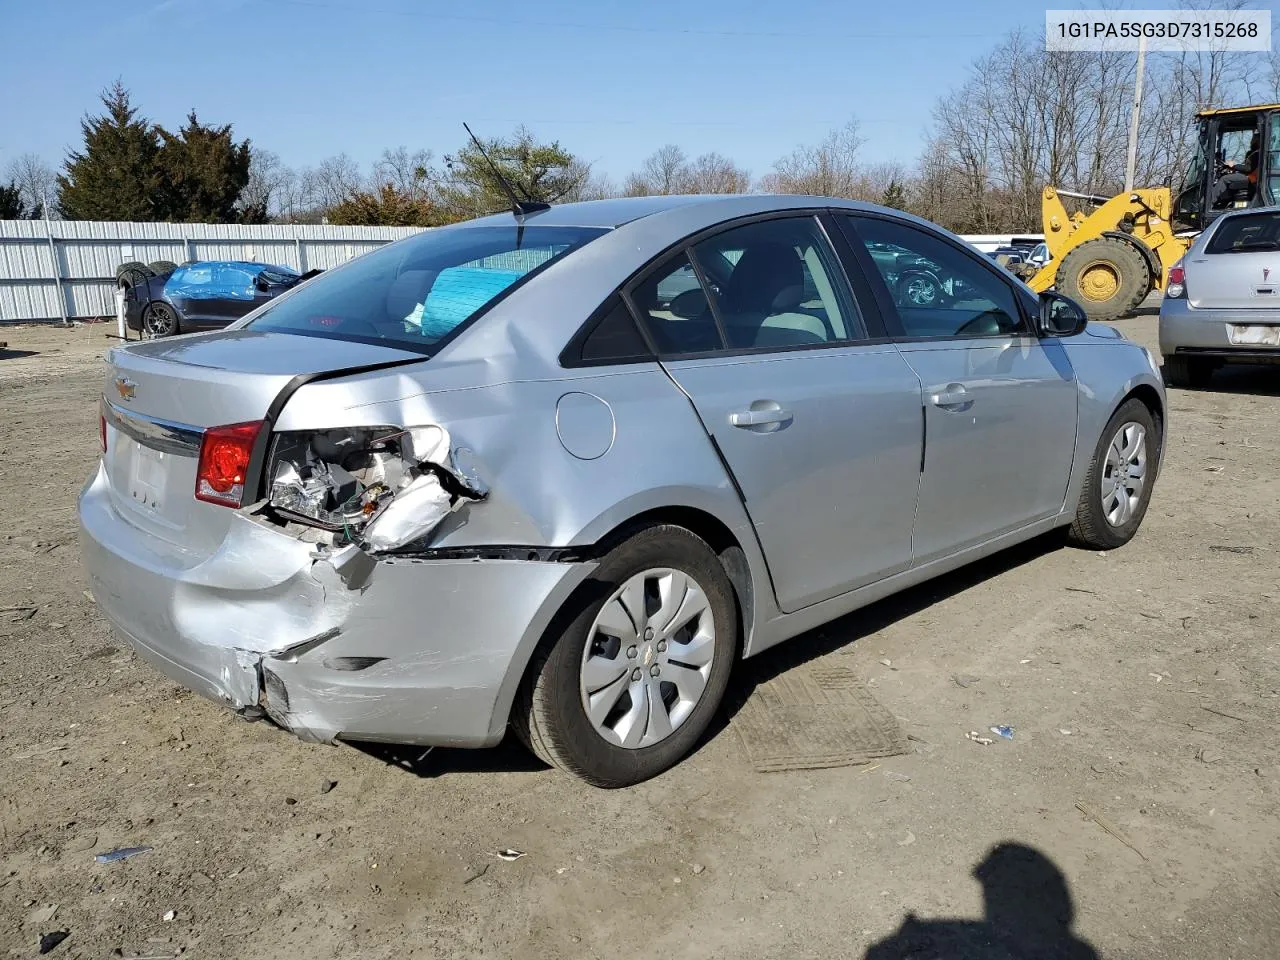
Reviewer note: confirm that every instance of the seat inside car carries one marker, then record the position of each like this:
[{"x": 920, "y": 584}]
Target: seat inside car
[{"x": 761, "y": 302}]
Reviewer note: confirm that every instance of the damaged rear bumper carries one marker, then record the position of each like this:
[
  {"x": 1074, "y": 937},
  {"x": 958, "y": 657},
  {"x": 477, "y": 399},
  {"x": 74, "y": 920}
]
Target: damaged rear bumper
[{"x": 395, "y": 649}]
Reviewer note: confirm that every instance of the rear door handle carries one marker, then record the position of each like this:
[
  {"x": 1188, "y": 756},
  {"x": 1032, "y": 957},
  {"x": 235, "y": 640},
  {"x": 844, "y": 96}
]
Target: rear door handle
[
  {"x": 952, "y": 396},
  {"x": 761, "y": 416}
]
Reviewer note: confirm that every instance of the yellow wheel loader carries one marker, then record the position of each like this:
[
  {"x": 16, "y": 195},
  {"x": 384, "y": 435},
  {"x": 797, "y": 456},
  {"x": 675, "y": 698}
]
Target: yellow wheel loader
[{"x": 1109, "y": 259}]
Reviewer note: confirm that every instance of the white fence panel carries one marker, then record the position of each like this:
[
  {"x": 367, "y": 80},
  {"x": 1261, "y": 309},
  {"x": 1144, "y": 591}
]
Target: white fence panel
[{"x": 66, "y": 268}]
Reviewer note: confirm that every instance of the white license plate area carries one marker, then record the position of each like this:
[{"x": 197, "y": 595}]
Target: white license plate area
[
  {"x": 1255, "y": 334},
  {"x": 147, "y": 474}
]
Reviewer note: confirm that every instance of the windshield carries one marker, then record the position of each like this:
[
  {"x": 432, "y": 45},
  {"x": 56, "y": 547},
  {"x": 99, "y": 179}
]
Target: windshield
[{"x": 417, "y": 292}]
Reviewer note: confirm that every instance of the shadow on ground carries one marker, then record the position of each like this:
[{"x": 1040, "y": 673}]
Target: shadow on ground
[
  {"x": 7, "y": 354},
  {"x": 1029, "y": 914}
]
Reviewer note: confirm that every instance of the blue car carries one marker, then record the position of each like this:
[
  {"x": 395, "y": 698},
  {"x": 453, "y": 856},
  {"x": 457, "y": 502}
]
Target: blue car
[{"x": 204, "y": 295}]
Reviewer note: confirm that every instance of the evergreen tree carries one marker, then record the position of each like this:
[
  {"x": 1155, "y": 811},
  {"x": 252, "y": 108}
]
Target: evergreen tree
[
  {"x": 536, "y": 171},
  {"x": 202, "y": 172},
  {"x": 895, "y": 196},
  {"x": 11, "y": 205},
  {"x": 114, "y": 176}
]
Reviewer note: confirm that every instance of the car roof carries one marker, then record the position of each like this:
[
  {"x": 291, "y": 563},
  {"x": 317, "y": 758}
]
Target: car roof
[{"x": 615, "y": 212}]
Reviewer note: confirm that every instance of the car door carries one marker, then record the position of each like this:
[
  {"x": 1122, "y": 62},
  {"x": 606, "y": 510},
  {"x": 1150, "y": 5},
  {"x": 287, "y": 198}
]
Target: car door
[
  {"x": 999, "y": 404},
  {"x": 234, "y": 292},
  {"x": 817, "y": 423}
]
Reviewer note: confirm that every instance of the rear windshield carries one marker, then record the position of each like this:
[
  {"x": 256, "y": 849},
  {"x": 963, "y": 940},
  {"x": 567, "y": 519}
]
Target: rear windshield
[
  {"x": 416, "y": 292},
  {"x": 1247, "y": 233}
]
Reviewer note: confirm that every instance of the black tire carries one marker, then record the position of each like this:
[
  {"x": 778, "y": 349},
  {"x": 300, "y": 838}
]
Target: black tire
[
  {"x": 1091, "y": 529},
  {"x": 160, "y": 320},
  {"x": 549, "y": 715},
  {"x": 159, "y": 267},
  {"x": 133, "y": 272},
  {"x": 1188, "y": 372},
  {"x": 1117, "y": 260}
]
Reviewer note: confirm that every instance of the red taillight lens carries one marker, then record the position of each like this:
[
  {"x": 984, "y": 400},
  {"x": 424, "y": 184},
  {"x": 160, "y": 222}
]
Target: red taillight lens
[
  {"x": 1177, "y": 274},
  {"x": 225, "y": 453},
  {"x": 102, "y": 431}
]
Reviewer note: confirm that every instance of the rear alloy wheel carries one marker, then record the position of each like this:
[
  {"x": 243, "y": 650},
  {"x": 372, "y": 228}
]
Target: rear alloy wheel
[
  {"x": 159, "y": 320},
  {"x": 1108, "y": 277},
  {"x": 1118, "y": 486},
  {"x": 1184, "y": 371},
  {"x": 632, "y": 680}
]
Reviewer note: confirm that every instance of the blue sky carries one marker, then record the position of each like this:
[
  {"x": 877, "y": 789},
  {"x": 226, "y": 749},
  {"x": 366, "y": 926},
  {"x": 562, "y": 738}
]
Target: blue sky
[{"x": 612, "y": 82}]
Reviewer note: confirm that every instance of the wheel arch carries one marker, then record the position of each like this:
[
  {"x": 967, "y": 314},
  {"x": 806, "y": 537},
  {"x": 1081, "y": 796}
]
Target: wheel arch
[
  {"x": 1150, "y": 398},
  {"x": 735, "y": 556}
]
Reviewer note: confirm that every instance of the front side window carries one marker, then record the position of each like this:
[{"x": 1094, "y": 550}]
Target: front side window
[
  {"x": 416, "y": 292},
  {"x": 1247, "y": 233},
  {"x": 938, "y": 290}
]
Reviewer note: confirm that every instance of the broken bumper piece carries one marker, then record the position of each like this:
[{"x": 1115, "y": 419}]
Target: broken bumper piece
[{"x": 329, "y": 646}]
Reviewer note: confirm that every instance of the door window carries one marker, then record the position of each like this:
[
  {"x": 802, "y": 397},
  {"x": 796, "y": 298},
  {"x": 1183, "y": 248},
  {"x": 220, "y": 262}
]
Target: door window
[
  {"x": 776, "y": 283},
  {"x": 938, "y": 290}
]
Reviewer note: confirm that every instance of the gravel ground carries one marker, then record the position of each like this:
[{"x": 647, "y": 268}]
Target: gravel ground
[{"x": 1135, "y": 810}]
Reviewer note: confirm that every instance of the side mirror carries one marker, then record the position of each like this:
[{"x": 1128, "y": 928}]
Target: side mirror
[
  {"x": 1060, "y": 316},
  {"x": 261, "y": 285}
]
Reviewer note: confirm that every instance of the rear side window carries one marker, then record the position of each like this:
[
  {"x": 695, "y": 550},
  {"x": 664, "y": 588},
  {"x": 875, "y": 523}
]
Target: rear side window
[
  {"x": 615, "y": 338},
  {"x": 1247, "y": 233},
  {"x": 674, "y": 308},
  {"x": 414, "y": 293}
]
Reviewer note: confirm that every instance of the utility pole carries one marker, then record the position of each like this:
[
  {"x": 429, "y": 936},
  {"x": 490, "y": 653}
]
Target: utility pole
[{"x": 1134, "y": 120}]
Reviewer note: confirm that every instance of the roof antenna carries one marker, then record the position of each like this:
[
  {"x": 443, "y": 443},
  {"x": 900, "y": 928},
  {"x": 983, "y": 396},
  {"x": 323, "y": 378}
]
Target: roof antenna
[{"x": 521, "y": 208}]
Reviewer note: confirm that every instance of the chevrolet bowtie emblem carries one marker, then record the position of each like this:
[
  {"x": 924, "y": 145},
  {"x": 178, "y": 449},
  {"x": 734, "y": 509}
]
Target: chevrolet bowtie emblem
[{"x": 125, "y": 387}]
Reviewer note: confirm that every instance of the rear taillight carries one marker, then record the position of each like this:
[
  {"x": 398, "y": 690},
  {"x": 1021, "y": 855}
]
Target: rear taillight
[
  {"x": 225, "y": 453},
  {"x": 1177, "y": 285},
  {"x": 102, "y": 431}
]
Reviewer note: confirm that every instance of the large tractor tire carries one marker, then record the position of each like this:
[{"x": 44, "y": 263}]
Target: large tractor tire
[{"x": 1108, "y": 277}]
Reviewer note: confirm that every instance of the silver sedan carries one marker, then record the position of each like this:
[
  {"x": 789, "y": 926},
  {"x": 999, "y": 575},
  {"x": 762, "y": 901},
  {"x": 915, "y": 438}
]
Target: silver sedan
[
  {"x": 561, "y": 471},
  {"x": 1222, "y": 302}
]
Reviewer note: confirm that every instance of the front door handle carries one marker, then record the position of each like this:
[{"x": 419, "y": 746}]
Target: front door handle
[
  {"x": 763, "y": 416},
  {"x": 952, "y": 397}
]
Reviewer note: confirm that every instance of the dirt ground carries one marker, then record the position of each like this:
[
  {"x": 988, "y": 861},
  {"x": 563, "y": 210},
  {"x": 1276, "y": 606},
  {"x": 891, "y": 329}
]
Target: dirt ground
[{"x": 1138, "y": 799}]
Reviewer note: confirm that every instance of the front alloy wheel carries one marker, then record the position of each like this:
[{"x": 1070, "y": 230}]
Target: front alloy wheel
[{"x": 1124, "y": 476}]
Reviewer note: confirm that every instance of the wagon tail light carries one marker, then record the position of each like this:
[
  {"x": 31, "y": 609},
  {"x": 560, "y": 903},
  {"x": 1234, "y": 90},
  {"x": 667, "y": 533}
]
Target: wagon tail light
[
  {"x": 1177, "y": 285},
  {"x": 225, "y": 453}
]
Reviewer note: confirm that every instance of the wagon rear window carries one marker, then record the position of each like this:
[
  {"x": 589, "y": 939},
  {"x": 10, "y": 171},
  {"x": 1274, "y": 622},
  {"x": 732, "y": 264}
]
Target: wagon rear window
[
  {"x": 1249, "y": 233},
  {"x": 417, "y": 292}
]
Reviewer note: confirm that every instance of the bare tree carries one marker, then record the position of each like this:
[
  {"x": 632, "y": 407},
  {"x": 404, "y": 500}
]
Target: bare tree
[
  {"x": 664, "y": 172},
  {"x": 262, "y": 196},
  {"x": 715, "y": 173},
  {"x": 590, "y": 185},
  {"x": 332, "y": 181},
  {"x": 36, "y": 181},
  {"x": 826, "y": 169},
  {"x": 410, "y": 172}
]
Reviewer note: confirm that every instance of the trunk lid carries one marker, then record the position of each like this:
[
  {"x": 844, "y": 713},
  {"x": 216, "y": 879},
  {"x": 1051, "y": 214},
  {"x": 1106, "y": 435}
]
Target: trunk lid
[{"x": 160, "y": 395}]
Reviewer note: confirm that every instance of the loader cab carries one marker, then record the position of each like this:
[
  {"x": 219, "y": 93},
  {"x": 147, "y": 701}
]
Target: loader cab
[{"x": 1236, "y": 165}]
